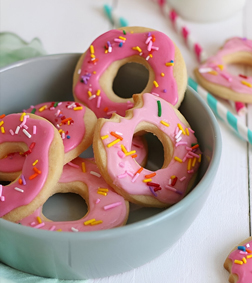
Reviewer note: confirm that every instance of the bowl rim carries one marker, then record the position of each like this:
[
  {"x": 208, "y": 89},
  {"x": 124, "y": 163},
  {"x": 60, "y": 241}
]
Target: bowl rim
[{"x": 197, "y": 191}]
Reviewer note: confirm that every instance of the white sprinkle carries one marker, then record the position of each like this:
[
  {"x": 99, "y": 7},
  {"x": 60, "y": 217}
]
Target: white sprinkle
[
  {"x": 156, "y": 94},
  {"x": 95, "y": 174},
  {"x": 26, "y": 133},
  {"x": 17, "y": 130},
  {"x": 74, "y": 229},
  {"x": 2, "y": 198},
  {"x": 34, "y": 130},
  {"x": 111, "y": 112},
  {"x": 205, "y": 70},
  {"x": 92, "y": 97},
  {"x": 178, "y": 134},
  {"x": 118, "y": 133},
  {"x": 147, "y": 58},
  {"x": 18, "y": 189},
  {"x": 110, "y": 49},
  {"x": 182, "y": 179},
  {"x": 52, "y": 228},
  {"x": 179, "y": 139},
  {"x": 79, "y": 71},
  {"x": 71, "y": 105},
  {"x": 11, "y": 132}
]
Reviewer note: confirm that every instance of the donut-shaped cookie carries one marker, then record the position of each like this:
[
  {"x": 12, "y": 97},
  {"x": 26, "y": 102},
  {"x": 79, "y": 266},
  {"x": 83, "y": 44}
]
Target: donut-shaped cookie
[
  {"x": 182, "y": 157},
  {"x": 239, "y": 262},
  {"x": 42, "y": 146},
  {"x": 214, "y": 76},
  {"x": 75, "y": 123},
  {"x": 99, "y": 65},
  {"x": 106, "y": 209}
]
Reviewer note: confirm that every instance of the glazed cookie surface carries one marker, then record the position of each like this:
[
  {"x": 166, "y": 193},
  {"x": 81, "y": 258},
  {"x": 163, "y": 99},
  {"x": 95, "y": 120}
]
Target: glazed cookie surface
[
  {"x": 106, "y": 209},
  {"x": 182, "y": 156},
  {"x": 239, "y": 262},
  {"x": 214, "y": 76},
  {"x": 98, "y": 66}
]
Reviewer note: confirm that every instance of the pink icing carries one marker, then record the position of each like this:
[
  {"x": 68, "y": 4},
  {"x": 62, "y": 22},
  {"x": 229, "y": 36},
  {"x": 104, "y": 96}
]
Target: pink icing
[
  {"x": 162, "y": 50},
  {"x": 40, "y": 144},
  {"x": 223, "y": 77},
  {"x": 111, "y": 209},
  {"x": 72, "y": 134},
  {"x": 243, "y": 271},
  {"x": 127, "y": 177}
]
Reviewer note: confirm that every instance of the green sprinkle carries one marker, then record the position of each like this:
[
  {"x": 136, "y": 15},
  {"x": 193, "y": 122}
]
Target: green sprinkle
[
  {"x": 33, "y": 111},
  {"x": 55, "y": 104},
  {"x": 193, "y": 144},
  {"x": 124, "y": 32},
  {"x": 159, "y": 108}
]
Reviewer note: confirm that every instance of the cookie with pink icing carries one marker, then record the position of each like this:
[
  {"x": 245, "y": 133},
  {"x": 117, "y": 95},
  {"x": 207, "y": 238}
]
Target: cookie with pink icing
[
  {"x": 98, "y": 66},
  {"x": 75, "y": 123},
  {"x": 106, "y": 209},
  {"x": 239, "y": 262},
  {"x": 43, "y": 149},
  {"x": 214, "y": 76},
  {"x": 182, "y": 155}
]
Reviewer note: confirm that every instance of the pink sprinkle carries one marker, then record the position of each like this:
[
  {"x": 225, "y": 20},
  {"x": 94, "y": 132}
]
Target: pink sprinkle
[
  {"x": 188, "y": 148},
  {"x": 39, "y": 225},
  {"x": 135, "y": 177},
  {"x": 130, "y": 173},
  {"x": 98, "y": 102},
  {"x": 190, "y": 171},
  {"x": 52, "y": 108},
  {"x": 173, "y": 189},
  {"x": 115, "y": 204},
  {"x": 63, "y": 135},
  {"x": 176, "y": 130},
  {"x": 156, "y": 94},
  {"x": 52, "y": 228},
  {"x": 97, "y": 201},
  {"x": 154, "y": 47},
  {"x": 122, "y": 175},
  {"x": 2, "y": 198},
  {"x": 24, "y": 121},
  {"x": 59, "y": 103},
  {"x": 180, "y": 143},
  {"x": 148, "y": 39},
  {"x": 121, "y": 164},
  {"x": 111, "y": 112},
  {"x": 1, "y": 190},
  {"x": 33, "y": 223},
  {"x": 119, "y": 40},
  {"x": 149, "y": 46},
  {"x": 25, "y": 126},
  {"x": 190, "y": 130},
  {"x": 11, "y": 132},
  {"x": 225, "y": 76},
  {"x": 182, "y": 179},
  {"x": 120, "y": 154},
  {"x": 185, "y": 157},
  {"x": 34, "y": 130},
  {"x": 57, "y": 113},
  {"x": 243, "y": 253},
  {"x": 73, "y": 165},
  {"x": 185, "y": 32},
  {"x": 193, "y": 154}
]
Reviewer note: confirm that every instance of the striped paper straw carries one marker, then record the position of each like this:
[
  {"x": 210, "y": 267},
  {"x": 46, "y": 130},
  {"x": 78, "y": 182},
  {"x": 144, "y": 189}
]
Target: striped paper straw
[
  {"x": 113, "y": 17},
  {"x": 221, "y": 111}
]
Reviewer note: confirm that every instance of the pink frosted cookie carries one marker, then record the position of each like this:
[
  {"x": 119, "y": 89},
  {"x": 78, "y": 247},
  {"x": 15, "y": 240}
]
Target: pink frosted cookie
[
  {"x": 99, "y": 65},
  {"x": 75, "y": 123},
  {"x": 182, "y": 155},
  {"x": 43, "y": 149},
  {"x": 214, "y": 76},
  {"x": 239, "y": 263},
  {"x": 106, "y": 209}
]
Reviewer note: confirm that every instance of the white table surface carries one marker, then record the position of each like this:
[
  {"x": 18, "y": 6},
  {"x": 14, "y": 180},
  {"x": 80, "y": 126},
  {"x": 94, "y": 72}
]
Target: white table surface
[{"x": 70, "y": 26}]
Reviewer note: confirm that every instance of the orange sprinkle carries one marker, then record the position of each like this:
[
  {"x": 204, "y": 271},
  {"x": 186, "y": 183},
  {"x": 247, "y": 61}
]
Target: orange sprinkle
[
  {"x": 139, "y": 170},
  {"x": 150, "y": 175},
  {"x": 134, "y": 156},
  {"x": 65, "y": 120},
  {"x": 2, "y": 116},
  {"x": 195, "y": 146},
  {"x": 105, "y": 109},
  {"x": 33, "y": 176},
  {"x": 248, "y": 251},
  {"x": 83, "y": 166},
  {"x": 20, "y": 181},
  {"x": 36, "y": 170},
  {"x": 116, "y": 135}
]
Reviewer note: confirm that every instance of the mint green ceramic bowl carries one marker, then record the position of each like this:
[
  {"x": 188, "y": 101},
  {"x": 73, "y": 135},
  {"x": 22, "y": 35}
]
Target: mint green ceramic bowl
[{"x": 101, "y": 253}]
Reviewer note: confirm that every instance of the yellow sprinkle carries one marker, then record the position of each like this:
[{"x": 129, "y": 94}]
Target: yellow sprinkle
[
  {"x": 238, "y": 261},
  {"x": 194, "y": 161},
  {"x": 103, "y": 189},
  {"x": 1, "y": 123},
  {"x": 22, "y": 117},
  {"x": 137, "y": 48},
  {"x": 178, "y": 159},
  {"x": 42, "y": 108},
  {"x": 89, "y": 93},
  {"x": 181, "y": 128},
  {"x": 151, "y": 55},
  {"x": 39, "y": 220},
  {"x": 92, "y": 49},
  {"x": 68, "y": 123},
  {"x": 35, "y": 162},
  {"x": 2, "y": 130},
  {"x": 104, "y": 137},
  {"x": 113, "y": 142},
  {"x": 162, "y": 74},
  {"x": 164, "y": 123},
  {"x": 92, "y": 56},
  {"x": 123, "y": 38},
  {"x": 244, "y": 260},
  {"x": 130, "y": 152},
  {"x": 213, "y": 73},
  {"x": 94, "y": 72},
  {"x": 173, "y": 176},
  {"x": 83, "y": 167},
  {"x": 246, "y": 83},
  {"x": 106, "y": 51},
  {"x": 189, "y": 164},
  {"x": 77, "y": 108},
  {"x": 123, "y": 148},
  {"x": 221, "y": 67},
  {"x": 98, "y": 92},
  {"x": 60, "y": 131},
  {"x": 89, "y": 221},
  {"x": 169, "y": 64},
  {"x": 249, "y": 256},
  {"x": 199, "y": 159},
  {"x": 59, "y": 230},
  {"x": 102, "y": 193},
  {"x": 187, "y": 131},
  {"x": 96, "y": 222},
  {"x": 147, "y": 180}
]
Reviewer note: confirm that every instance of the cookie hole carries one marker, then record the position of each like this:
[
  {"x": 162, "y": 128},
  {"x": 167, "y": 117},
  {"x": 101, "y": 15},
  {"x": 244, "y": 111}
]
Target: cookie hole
[
  {"x": 155, "y": 159},
  {"x": 65, "y": 207},
  {"x": 131, "y": 78},
  {"x": 239, "y": 69}
]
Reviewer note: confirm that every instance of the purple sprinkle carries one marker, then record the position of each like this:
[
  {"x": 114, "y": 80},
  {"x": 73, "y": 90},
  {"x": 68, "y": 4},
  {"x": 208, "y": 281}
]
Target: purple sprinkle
[
  {"x": 109, "y": 44},
  {"x": 152, "y": 191},
  {"x": 85, "y": 78},
  {"x": 164, "y": 90},
  {"x": 23, "y": 179},
  {"x": 149, "y": 34}
]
